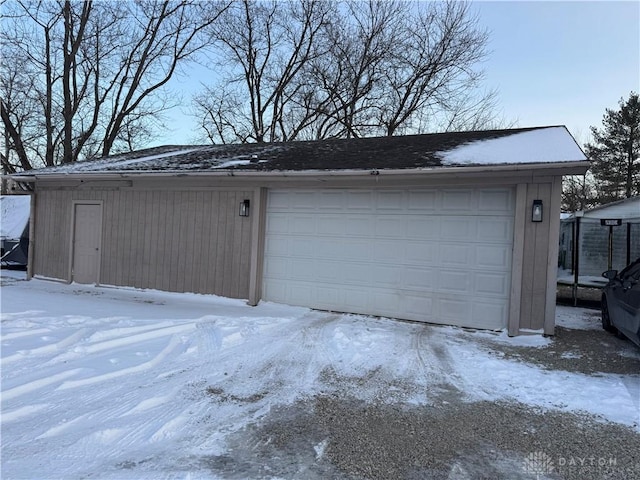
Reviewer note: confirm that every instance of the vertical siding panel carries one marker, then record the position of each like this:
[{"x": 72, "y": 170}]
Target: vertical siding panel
[
  {"x": 53, "y": 240},
  {"x": 228, "y": 243},
  {"x": 172, "y": 234},
  {"x": 177, "y": 246},
  {"x": 161, "y": 261},
  {"x": 151, "y": 244},
  {"x": 134, "y": 239},
  {"x": 43, "y": 220},
  {"x": 112, "y": 227},
  {"x": 127, "y": 244},
  {"x": 42, "y": 232},
  {"x": 245, "y": 256},
  {"x": 238, "y": 250},
  {"x": 116, "y": 234},
  {"x": 105, "y": 254},
  {"x": 219, "y": 244},
  {"x": 166, "y": 260},
  {"x": 140, "y": 228},
  {"x": 65, "y": 233},
  {"x": 189, "y": 240},
  {"x": 528, "y": 263},
  {"x": 205, "y": 273},
  {"x": 61, "y": 218},
  {"x": 214, "y": 219},
  {"x": 541, "y": 260},
  {"x": 185, "y": 242},
  {"x": 143, "y": 231},
  {"x": 198, "y": 254},
  {"x": 173, "y": 239}
]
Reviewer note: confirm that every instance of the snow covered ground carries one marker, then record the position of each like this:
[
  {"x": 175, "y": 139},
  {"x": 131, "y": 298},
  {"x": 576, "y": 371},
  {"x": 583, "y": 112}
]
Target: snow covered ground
[{"x": 122, "y": 383}]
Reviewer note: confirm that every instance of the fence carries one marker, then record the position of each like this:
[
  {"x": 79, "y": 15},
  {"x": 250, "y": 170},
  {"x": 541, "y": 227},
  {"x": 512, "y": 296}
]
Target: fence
[{"x": 588, "y": 248}]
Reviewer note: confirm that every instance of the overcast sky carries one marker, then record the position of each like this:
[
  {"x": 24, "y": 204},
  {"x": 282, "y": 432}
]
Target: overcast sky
[{"x": 552, "y": 63}]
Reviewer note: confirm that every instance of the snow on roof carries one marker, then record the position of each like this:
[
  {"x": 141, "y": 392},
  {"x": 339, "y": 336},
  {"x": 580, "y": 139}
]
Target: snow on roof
[
  {"x": 409, "y": 152},
  {"x": 14, "y": 214},
  {"x": 545, "y": 145},
  {"x": 628, "y": 208}
]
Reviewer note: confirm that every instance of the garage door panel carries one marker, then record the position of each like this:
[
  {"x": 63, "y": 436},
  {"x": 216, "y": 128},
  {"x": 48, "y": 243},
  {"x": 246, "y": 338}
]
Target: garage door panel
[
  {"x": 295, "y": 247},
  {"x": 485, "y": 313},
  {"x": 455, "y": 255},
  {"x": 419, "y": 253},
  {"x": 418, "y": 307},
  {"x": 279, "y": 201},
  {"x": 493, "y": 257},
  {"x": 390, "y": 202},
  {"x": 490, "y": 284},
  {"x": 457, "y": 227},
  {"x": 423, "y": 200},
  {"x": 276, "y": 245},
  {"x": 423, "y": 227},
  {"x": 276, "y": 267},
  {"x": 386, "y": 275},
  {"x": 356, "y": 225},
  {"x": 393, "y": 253},
  {"x": 457, "y": 200},
  {"x": 304, "y": 200},
  {"x": 452, "y": 308},
  {"x": 302, "y": 269},
  {"x": 420, "y": 279},
  {"x": 357, "y": 274},
  {"x": 390, "y": 226},
  {"x": 325, "y": 249},
  {"x": 278, "y": 223},
  {"x": 305, "y": 291},
  {"x": 495, "y": 202},
  {"x": 453, "y": 281},
  {"x": 495, "y": 229},
  {"x": 331, "y": 200},
  {"x": 304, "y": 225},
  {"x": 362, "y": 201}
]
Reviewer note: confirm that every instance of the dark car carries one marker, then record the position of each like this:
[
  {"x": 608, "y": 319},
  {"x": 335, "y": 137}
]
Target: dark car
[{"x": 621, "y": 302}]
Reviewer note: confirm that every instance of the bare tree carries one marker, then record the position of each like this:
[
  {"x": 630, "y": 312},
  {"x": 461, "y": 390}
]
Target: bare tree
[
  {"x": 264, "y": 47},
  {"x": 96, "y": 71},
  {"x": 578, "y": 193},
  {"x": 347, "y": 69}
]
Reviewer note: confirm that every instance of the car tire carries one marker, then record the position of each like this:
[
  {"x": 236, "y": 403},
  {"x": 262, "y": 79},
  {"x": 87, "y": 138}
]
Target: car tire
[{"x": 606, "y": 318}]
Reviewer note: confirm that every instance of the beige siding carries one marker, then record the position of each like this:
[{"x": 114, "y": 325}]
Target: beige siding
[
  {"x": 52, "y": 232},
  {"x": 533, "y": 296},
  {"x": 157, "y": 234},
  {"x": 184, "y": 241}
]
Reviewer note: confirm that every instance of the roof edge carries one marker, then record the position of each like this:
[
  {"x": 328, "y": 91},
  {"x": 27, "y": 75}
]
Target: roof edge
[{"x": 569, "y": 168}]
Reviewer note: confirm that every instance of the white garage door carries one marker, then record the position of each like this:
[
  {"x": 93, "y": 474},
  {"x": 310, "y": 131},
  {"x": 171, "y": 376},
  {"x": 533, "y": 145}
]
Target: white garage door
[{"x": 437, "y": 255}]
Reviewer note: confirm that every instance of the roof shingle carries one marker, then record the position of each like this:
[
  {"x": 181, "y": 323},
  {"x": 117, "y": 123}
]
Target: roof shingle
[{"x": 400, "y": 152}]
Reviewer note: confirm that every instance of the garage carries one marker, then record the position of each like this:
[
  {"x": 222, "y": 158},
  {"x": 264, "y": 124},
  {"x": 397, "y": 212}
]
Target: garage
[
  {"x": 439, "y": 255},
  {"x": 457, "y": 228}
]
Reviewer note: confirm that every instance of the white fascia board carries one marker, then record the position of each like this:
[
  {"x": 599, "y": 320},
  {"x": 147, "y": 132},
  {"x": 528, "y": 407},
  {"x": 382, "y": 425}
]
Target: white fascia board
[{"x": 563, "y": 168}]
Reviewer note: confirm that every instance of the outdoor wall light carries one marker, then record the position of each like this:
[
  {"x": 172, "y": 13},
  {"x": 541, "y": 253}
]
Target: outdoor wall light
[
  {"x": 244, "y": 208},
  {"x": 536, "y": 211}
]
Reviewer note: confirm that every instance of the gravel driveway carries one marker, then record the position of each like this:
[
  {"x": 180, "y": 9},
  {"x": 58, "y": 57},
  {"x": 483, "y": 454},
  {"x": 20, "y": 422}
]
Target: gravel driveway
[{"x": 337, "y": 436}]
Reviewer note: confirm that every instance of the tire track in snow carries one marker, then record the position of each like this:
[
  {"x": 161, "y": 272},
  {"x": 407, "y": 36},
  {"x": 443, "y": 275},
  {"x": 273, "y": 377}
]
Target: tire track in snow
[
  {"x": 22, "y": 412},
  {"x": 37, "y": 384},
  {"x": 154, "y": 362},
  {"x": 133, "y": 339},
  {"x": 24, "y": 333},
  {"x": 46, "y": 349}
]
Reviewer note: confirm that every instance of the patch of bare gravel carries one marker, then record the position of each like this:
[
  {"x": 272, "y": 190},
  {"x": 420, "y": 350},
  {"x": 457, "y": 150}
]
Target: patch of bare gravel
[
  {"x": 582, "y": 351},
  {"x": 342, "y": 438}
]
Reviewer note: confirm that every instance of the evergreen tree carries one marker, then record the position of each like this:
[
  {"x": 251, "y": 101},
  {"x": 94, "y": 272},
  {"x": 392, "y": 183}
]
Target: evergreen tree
[{"x": 615, "y": 152}]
